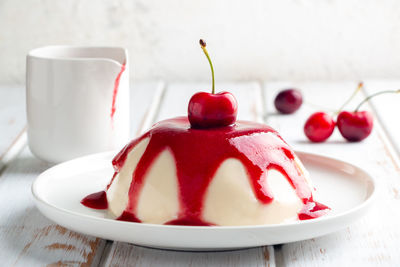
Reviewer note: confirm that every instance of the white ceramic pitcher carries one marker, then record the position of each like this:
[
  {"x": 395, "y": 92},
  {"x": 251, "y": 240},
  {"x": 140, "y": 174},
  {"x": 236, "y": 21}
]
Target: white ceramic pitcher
[{"x": 77, "y": 101}]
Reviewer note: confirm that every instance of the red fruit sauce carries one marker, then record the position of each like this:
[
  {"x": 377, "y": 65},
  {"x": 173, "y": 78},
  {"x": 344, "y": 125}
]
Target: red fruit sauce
[
  {"x": 198, "y": 154},
  {"x": 115, "y": 91},
  {"x": 96, "y": 201}
]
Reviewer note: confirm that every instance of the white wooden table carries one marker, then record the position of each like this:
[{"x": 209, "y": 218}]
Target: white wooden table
[{"x": 29, "y": 239}]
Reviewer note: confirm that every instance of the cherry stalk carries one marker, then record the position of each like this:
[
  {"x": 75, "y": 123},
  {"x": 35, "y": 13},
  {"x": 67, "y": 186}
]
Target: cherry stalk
[
  {"x": 359, "y": 87},
  {"x": 203, "y": 46},
  {"x": 376, "y": 94}
]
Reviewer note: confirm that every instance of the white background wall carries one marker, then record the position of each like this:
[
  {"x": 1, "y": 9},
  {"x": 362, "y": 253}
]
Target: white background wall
[{"x": 248, "y": 39}]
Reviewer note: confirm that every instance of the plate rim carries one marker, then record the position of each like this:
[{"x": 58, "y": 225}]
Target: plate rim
[{"x": 365, "y": 204}]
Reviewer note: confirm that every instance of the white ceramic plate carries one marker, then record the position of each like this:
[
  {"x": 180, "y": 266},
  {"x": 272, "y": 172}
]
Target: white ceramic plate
[{"x": 347, "y": 189}]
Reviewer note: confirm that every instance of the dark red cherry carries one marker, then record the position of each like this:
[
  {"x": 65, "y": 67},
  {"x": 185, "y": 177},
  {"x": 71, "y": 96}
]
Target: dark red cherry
[
  {"x": 355, "y": 126},
  {"x": 288, "y": 101},
  {"x": 208, "y": 110},
  {"x": 319, "y": 127}
]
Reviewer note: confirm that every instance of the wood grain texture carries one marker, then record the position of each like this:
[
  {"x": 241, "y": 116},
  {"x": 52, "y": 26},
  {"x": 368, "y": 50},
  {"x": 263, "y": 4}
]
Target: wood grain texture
[
  {"x": 130, "y": 255},
  {"x": 372, "y": 241},
  {"x": 27, "y": 238},
  {"x": 175, "y": 104}
]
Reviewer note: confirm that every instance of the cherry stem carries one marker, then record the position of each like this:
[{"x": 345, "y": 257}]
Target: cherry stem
[
  {"x": 360, "y": 85},
  {"x": 373, "y": 95},
  {"x": 203, "y": 46}
]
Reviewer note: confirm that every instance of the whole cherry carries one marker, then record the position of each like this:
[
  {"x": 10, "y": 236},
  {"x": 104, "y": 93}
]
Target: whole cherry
[
  {"x": 355, "y": 126},
  {"x": 208, "y": 110},
  {"x": 319, "y": 127},
  {"x": 212, "y": 110},
  {"x": 288, "y": 101}
]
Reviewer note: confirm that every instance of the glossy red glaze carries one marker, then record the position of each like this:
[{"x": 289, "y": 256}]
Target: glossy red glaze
[
  {"x": 115, "y": 90},
  {"x": 355, "y": 126},
  {"x": 288, "y": 101},
  {"x": 198, "y": 153},
  {"x": 208, "y": 110},
  {"x": 319, "y": 126},
  {"x": 96, "y": 201}
]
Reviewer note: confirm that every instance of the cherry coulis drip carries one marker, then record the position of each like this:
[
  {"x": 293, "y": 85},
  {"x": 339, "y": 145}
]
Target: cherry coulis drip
[
  {"x": 96, "y": 201},
  {"x": 312, "y": 210},
  {"x": 115, "y": 90},
  {"x": 198, "y": 154}
]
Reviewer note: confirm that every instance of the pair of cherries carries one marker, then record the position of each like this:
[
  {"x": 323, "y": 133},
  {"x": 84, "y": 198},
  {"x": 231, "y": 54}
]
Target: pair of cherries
[{"x": 354, "y": 126}]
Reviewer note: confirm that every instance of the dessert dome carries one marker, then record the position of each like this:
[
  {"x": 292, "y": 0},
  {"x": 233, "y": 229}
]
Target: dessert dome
[{"x": 242, "y": 174}]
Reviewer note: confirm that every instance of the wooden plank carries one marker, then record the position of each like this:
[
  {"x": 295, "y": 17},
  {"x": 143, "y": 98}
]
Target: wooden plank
[
  {"x": 387, "y": 108},
  {"x": 373, "y": 240},
  {"x": 129, "y": 255},
  {"x": 175, "y": 104},
  {"x": 12, "y": 121},
  {"x": 27, "y": 238}
]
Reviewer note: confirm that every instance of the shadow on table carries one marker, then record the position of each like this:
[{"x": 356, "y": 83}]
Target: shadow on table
[
  {"x": 335, "y": 142},
  {"x": 26, "y": 164}
]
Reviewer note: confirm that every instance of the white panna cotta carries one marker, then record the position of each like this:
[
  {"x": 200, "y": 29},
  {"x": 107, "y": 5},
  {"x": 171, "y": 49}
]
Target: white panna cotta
[
  {"x": 230, "y": 200},
  {"x": 238, "y": 175}
]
